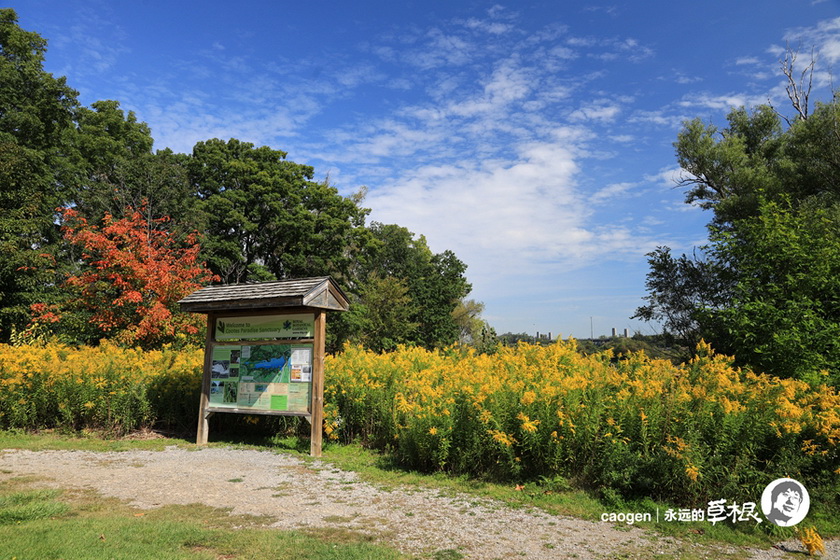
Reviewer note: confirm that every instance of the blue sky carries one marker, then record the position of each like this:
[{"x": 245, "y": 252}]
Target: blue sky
[{"x": 533, "y": 139}]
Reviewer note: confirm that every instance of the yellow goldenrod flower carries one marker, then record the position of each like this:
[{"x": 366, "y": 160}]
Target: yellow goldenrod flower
[{"x": 811, "y": 540}]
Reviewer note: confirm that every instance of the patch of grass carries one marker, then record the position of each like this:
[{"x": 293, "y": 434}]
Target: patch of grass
[
  {"x": 555, "y": 495},
  {"x": 85, "y": 441},
  {"x": 447, "y": 554},
  {"x": 18, "y": 507},
  {"x": 84, "y": 526}
]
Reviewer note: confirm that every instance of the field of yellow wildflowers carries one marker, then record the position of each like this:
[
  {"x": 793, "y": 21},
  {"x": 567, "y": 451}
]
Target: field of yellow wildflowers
[
  {"x": 105, "y": 388},
  {"x": 630, "y": 427}
]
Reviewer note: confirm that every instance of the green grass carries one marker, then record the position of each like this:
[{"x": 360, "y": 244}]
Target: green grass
[
  {"x": 85, "y": 441},
  {"x": 18, "y": 507},
  {"x": 51, "y": 524}
]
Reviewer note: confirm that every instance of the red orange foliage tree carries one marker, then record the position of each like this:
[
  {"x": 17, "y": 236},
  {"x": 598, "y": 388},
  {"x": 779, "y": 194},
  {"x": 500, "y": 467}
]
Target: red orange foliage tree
[{"x": 133, "y": 273}]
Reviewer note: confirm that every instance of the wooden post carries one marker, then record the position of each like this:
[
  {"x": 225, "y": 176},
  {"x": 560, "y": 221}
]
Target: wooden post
[
  {"x": 317, "y": 411},
  {"x": 203, "y": 419}
]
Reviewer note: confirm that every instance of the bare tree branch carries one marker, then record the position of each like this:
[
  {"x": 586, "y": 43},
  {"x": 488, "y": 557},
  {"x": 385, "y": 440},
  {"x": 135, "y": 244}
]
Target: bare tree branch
[{"x": 798, "y": 91}]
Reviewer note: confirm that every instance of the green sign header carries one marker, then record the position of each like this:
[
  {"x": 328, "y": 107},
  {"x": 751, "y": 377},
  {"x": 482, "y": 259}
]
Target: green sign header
[{"x": 265, "y": 327}]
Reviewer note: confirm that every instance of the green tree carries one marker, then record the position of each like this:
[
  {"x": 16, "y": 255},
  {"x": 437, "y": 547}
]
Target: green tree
[
  {"x": 36, "y": 121},
  {"x": 473, "y": 330},
  {"x": 381, "y": 317},
  {"x": 467, "y": 315},
  {"x": 730, "y": 168},
  {"x": 265, "y": 218},
  {"x": 437, "y": 295},
  {"x": 766, "y": 289},
  {"x": 755, "y": 158},
  {"x": 783, "y": 316},
  {"x": 678, "y": 290},
  {"x": 436, "y": 282},
  {"x": 116, "y": 169}
]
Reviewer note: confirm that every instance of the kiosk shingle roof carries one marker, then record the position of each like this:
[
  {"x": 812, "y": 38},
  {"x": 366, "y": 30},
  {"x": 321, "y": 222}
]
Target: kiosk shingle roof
[{"x": 319, "y": 292}]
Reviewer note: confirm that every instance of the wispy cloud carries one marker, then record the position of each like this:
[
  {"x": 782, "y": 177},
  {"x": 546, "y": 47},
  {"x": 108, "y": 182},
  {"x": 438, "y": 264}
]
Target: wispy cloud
[
  {"x": 611, "y": 192},
  {"x": 723, "y": 102},
  {"x": 98, "y": 43},
  {"x": 491, "y": 27},
  {"x": 604, "y": 110},
  {"x": 823, "y": 37}
]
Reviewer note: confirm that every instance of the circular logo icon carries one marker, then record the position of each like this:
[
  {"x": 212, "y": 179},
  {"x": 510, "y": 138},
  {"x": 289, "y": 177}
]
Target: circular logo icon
[{"x": 785, "y": 502}]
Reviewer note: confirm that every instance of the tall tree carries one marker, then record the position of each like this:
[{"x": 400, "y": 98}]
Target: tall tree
[
  {"x": 265, "y": 217},
  {"x": 116, "y": 169},
  {"x": 381, "y": 317},
  {"x": 783, "y": 313},
  {"x": 436, "y": 282},
  {"x": 729, "y": 169},
  {"x": 473, "y": 330},
  {"x": 766, "y": 290},
  {"x": 678, "y": 289},
  {"x": 36, "y": 120}
]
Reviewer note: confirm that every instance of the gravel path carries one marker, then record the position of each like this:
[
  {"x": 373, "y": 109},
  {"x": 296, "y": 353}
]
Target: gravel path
[{"x": 300, "y": 495}]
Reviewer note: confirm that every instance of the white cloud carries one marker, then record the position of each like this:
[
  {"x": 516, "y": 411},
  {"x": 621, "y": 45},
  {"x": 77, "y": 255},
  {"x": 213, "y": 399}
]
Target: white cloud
[
  {"x": 668, "y": 176},
  {"x": 831, "y": 50},
  {"x": 723, "y": 102},
  {"x": 492, "y": 27},
  {"x": 684, "y": 80},
  {"x": 98, "y": 43},
  {"x": 660, "y": 118},
  {"x": 615, "y": 190},
  {"x": 603, "y": 110},
  {"x": 502, "y": 212},
  {"x": 613, "y": 48},
  {"x": 508, "y": 216},
  {"x": 438, "y": 50},
  {"x": 824, "y": 37}
]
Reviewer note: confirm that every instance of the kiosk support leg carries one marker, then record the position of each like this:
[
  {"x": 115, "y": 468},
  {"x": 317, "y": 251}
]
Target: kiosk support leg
[
  {"x": 317, "y": 418},
  {"x": 203, "y": 418}
]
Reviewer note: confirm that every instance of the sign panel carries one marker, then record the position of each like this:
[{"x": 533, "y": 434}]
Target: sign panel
[
  {"x": 260, "y": 327},
  {"x": 267, "y": 377}
]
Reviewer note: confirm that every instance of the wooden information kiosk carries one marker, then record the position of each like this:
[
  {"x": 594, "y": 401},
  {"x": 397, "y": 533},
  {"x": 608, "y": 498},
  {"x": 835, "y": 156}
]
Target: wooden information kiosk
[{"x": 265, "y": 349}]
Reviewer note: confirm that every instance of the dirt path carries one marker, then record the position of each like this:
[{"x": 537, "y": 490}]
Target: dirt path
[{"x": 298, "y": 495}]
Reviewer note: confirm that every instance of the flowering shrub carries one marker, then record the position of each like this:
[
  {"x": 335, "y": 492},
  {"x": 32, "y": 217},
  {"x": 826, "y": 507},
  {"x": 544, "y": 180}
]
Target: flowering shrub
[{"x": 636, "y": 426}]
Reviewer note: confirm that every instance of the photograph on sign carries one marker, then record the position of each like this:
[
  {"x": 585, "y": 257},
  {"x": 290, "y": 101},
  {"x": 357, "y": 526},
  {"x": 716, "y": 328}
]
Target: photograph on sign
[{"x": 224, "y": 374}]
